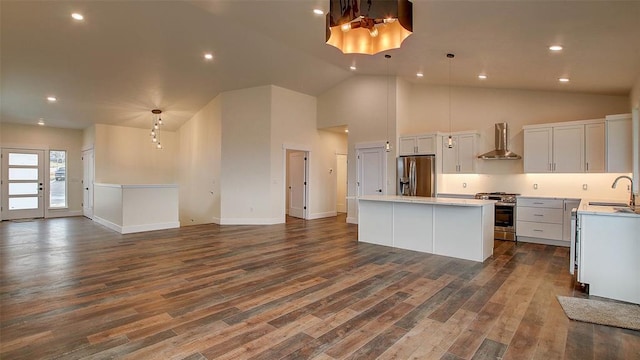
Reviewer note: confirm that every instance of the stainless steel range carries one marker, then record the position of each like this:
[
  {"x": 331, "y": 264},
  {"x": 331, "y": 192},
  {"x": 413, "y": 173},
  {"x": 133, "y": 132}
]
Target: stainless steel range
[{"x": 505, "y": 215}]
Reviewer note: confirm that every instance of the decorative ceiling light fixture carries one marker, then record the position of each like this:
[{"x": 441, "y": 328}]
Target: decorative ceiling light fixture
[
  {"x": 376, "y": 26},
  {"x": 156, "y": 122},
  {"x": 387, "y": 146},
  {"x": 450, "y": 140}
]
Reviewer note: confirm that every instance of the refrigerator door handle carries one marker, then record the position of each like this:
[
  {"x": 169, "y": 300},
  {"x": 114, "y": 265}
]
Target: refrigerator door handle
[{"x": 412, "y": 177}]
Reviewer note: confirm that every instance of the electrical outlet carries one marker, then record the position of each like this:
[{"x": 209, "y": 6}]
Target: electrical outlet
[{"x": 535, "y": 186}]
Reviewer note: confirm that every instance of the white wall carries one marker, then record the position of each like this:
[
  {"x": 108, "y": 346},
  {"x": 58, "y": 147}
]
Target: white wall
[
  {"x": 125, "y": 155},
  {"x": 360, "y": 103},
  {"x": 246, "y": 157},
  {"x": 480, "y": 108},
  {"x": 50, "y": 138},
  {"x": 199, "y": 162},
  {"x": 293, "y": 125},
  {"x": 422, "y": 108},
  {"x": 548, "y": 185}
]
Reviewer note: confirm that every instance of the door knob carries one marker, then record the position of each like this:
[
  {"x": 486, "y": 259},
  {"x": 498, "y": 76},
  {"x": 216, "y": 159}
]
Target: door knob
[
  {"x": 379, "y": 190},
  {"x": 86, "y": 188}
]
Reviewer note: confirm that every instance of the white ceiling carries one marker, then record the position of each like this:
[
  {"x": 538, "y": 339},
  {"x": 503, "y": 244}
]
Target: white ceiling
[{"x": 128, "y": 57}]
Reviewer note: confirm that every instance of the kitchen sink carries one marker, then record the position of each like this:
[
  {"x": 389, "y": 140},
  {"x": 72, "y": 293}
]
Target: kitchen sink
[
  {"x": 623, "y": 209},
  {"x": 599, "y": 203}
]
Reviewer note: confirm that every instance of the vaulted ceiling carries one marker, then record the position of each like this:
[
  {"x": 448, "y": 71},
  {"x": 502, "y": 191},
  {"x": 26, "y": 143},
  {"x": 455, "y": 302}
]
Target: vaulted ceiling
[{"x": 128, "y": 57}]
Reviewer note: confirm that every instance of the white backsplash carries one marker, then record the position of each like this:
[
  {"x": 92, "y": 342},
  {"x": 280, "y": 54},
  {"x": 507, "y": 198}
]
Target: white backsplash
[{"x": 598, "y": 186}]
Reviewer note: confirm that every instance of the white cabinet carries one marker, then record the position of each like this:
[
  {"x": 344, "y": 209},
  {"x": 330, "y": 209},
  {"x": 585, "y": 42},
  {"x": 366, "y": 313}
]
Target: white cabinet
[
  {"x": 594, "y": 148},
  {"x": 568, "y": 149},
  {"x": 417, "y": 144},
  {"x": 540, "y": 220},
  {"x": 461, "y": 158},
  {"x": 619, "y": 143},
  {"x": 572, "y": 147},
  {"x": 569, "y": 204},
  {"x": 608, "y": 255},
  {"x": 538, "y": 150}
]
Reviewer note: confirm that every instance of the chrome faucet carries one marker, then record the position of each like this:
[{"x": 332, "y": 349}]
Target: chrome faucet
[{"x": 632, "y": 199}]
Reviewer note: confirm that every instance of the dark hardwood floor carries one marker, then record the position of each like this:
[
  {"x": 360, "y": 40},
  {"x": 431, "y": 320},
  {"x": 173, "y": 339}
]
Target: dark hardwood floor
[{"x": 71, "y": 289}]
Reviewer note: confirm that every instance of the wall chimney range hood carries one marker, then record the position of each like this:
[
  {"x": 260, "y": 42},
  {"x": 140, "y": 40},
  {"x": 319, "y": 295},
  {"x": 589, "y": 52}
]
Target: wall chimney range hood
[{"x": 501, "y": 152}]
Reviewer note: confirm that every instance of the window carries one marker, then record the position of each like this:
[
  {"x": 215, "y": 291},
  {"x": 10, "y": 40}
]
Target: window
[{"x": 58, "y": 179}]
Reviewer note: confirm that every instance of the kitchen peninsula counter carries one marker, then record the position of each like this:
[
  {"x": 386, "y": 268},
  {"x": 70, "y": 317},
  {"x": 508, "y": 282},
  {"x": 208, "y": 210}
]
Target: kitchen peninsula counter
[{"x": 460, "y": 228}]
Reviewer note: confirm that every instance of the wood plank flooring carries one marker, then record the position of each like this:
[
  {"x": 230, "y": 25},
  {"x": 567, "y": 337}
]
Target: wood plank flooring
[{"x": 71, "y": 289}]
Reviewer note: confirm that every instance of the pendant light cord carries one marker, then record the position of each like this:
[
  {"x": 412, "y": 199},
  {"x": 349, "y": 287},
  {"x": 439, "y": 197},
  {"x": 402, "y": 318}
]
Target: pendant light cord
[{"x": 387, "y": 145}]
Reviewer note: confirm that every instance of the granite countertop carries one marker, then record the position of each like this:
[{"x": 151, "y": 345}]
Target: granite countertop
[
  {"x": 625, "y": 211},
  {"x": 427, "y": 200}
]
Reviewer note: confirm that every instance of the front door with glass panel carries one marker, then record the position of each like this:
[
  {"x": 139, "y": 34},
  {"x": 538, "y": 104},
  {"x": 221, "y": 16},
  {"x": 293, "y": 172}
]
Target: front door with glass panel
[{"x": 22, "y": 184}]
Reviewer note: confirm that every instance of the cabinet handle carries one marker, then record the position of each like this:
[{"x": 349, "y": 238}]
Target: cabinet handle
[
  {"x": 538, "y": 215},
  {"x": 554, "y": 166},
  {"x": 538, "y": 203},
  {"x": 587, "y": 166},
  {"x": 538, "y": 230}
]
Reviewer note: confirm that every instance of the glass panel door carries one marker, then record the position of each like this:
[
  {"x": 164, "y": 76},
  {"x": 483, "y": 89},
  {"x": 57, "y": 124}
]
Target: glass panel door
[{"x": 23, "y": 184}]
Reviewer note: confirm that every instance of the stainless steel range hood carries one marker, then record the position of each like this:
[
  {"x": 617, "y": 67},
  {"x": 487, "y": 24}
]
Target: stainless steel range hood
[{"x": 501, "y": 152}]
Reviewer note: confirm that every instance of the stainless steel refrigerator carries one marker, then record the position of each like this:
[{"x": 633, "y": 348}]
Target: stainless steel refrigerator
[{"x": 417, "y": 175}]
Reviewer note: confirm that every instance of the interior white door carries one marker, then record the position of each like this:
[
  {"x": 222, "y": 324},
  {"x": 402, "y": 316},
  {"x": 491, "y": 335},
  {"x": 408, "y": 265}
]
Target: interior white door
[
  {"x": 370, "y": 171},
  {"x": 297, "y": 184},
  {"x": 341, "y": 183},
  {"x": 23, "y": 184},
  {"x": 87, "y": 183}
]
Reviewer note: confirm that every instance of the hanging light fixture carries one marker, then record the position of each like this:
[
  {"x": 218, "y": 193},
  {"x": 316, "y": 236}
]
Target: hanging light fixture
[
  {"x": 450, "y": 140},
  {"x": 387, "y": 146},
  {"x": 156, "y": 122},
  {"x": 368, "y": 27}
]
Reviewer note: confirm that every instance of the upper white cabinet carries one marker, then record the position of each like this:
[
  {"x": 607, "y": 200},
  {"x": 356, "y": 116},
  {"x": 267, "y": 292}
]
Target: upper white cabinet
[
  {"x": 461, "y": 158},
  {"x": 538, "y": 150},
  {"x": 417, "y": 144},
  {"x": 573, "y": 147},
  {"x": 594, "y": 147},
  {"x": 619, "y": 143}
]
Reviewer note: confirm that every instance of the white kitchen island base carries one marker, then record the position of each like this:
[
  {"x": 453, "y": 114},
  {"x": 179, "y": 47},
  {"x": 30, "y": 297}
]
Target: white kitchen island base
[{"x": 461, "y": 228}]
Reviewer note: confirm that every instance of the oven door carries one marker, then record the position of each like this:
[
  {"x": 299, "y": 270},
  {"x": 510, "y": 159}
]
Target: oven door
[{"x": 505, "y": 221}]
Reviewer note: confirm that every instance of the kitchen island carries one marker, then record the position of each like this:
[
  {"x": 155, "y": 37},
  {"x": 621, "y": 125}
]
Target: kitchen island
[
  {"x": 608, "y": 251},
  {"x": 460, "y": 228}
]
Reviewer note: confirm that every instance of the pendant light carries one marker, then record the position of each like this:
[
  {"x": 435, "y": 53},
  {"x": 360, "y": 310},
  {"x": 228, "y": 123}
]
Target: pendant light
[
  {"x": 387, "y": 146},
  {"x": 156, "y": 122},
  {"x": 450, "y": 140}
]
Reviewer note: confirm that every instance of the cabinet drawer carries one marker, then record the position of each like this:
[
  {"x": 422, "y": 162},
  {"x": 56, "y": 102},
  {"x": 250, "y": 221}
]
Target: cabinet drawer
[
  {"x": 539, "y": 230},
  {"x": 543, "y": 215},
  {"x": 541, "y": 202}
]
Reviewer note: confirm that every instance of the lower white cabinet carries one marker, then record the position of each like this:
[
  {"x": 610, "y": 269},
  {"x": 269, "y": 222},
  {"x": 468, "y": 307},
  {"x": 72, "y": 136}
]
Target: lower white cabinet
[{"x": 542, "y": 220}]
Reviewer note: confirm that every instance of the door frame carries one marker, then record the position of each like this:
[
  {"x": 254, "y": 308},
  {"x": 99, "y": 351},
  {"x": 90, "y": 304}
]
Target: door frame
[
  {"x": 346, "y": 183},
  {"x": 307, "y": 151},
  {"x": 88, "y": 174}
]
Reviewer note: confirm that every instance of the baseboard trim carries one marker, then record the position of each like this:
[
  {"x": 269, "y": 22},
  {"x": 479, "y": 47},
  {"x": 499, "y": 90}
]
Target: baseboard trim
[
  {"x": 150, "y": 227},
  {"x": 543, "y": 241},
  {"x": 107, "y": 223},
  {"x": 59, "y": 214},
  {"x": 323, "y": 215},
  {"x": 245, "y": 221},
  {"x": 352, "y": 220}
]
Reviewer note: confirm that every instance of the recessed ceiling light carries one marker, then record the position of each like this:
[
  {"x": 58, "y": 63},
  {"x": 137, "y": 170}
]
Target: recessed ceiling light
[
  {"x": 208, "y": 56},
  {"x": 52, "y": 99},
  {"x": 352, "y": 67},
  {"x": 318, "y": 11},
  {"x": 346, "y": 130},
  {"x": 77, "y": 16},
  {"x": 41, "y": 121},
  {"x": 563, "y": 80},
  {"x": 555, "y": 47},
  {"x": 419, "y": 74},
  {"x": 482, "y": 76}
]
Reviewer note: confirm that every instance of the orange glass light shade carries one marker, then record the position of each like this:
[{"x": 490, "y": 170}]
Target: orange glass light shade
[{"x": 393, "y": 20}]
